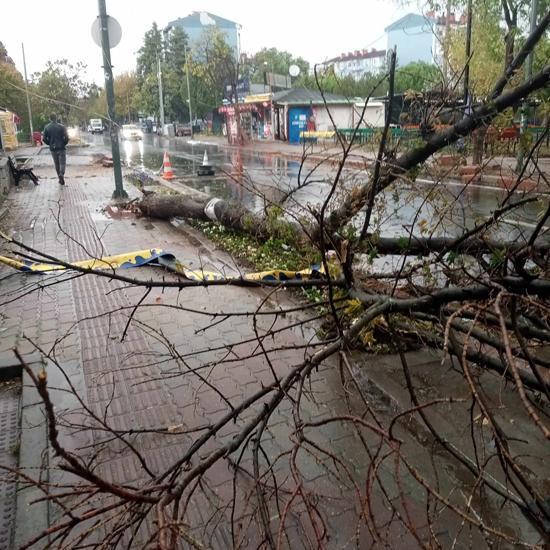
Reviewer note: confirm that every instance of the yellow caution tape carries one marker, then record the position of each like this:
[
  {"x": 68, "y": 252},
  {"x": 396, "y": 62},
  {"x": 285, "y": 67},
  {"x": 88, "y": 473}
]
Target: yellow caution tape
[
  {"x": 272, "y": 275},
  {"x": 159, "y": 257},
  {"x": 130, "y": 259}
]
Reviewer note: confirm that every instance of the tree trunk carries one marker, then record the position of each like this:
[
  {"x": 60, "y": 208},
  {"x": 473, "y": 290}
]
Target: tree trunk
[
  {"x": 233, "y": 216},
  {"x": 479, "y": 145},
  {"x": 509, "y": 43},
  {"x": 170, "y": 206}
]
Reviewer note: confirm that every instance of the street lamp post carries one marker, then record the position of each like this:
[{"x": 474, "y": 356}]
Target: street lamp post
[
  {"x": 119, "y": 192},
  {"x": 188, "y": 89},
  {"x": 266, "y": 73},
  {"x": 161, "y": 97},
  {"x": 27, "y": 92}
]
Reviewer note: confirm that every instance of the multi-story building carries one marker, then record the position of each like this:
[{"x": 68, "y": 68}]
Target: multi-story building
[
  {"x": 358, "y": 63},
  {"x": 419, "y": 37},
  {"x": 197, "y": 22}
]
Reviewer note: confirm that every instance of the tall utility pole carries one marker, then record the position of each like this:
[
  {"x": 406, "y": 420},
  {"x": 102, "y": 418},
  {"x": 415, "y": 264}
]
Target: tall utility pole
[
  {"x": 27, "y": 90},
  {"x": 161, "y": 99},
  {"x": 188, "y": 89},
  {"x": 109, "y": 87},
  {"x": 468, "y": 53},
  {"x": 528, "y": 75}
]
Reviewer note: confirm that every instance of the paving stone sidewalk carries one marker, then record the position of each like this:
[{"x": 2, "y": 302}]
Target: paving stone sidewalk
[{"x": 144, "y": 380}]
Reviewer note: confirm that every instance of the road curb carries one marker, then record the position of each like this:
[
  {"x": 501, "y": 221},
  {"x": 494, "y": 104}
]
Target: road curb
[
  {"x": 3, "y": 212},
  {"x": 31, "y": 519}
]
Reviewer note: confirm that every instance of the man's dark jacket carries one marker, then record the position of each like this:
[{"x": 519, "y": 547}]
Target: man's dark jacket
[{"x": 55, "y": 135}]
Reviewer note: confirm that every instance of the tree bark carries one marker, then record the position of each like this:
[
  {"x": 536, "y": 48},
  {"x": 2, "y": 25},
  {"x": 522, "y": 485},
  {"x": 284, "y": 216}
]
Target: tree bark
[
  {"x": 478, "y": 139},
  {"x": 231, "y": 215},
  {"x": 420, "y": 246}
]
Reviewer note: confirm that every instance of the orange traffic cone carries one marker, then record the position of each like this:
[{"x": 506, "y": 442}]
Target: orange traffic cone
[{"x": 167, "y": 172}]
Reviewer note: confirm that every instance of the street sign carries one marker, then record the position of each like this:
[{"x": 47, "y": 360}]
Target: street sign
[
  {"x": 113, "y": 26},
  {"x": 274, "y": 80}
]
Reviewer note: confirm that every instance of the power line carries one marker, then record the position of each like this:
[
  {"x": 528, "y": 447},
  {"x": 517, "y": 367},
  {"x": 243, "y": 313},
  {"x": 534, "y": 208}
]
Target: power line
[{"x": 60, "y": 102}]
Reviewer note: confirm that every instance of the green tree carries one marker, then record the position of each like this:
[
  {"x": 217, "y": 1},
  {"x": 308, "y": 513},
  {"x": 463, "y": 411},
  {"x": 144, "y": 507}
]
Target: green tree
[
  {"x": 274, "y": 61},
  {"x": 12, "y": 95},
  {"x": 214, "y": 67},
  {"x": 500, "y": 26},
  {"x": 4, "y": 57},
  {"x": 418, "y": 76},
  {"x": 173, "y": 73},
  {"x": 175, "y": 48},
  {"x": 60, "y": 89},
  {"x": 347, "y": 86},
  {"x": 126, "y": 99},
  {"x": 488, "y": 49},
  {"x": 148, "y": 54},
  {"x": 147, "y": 70},
  {"x": 169, "y": 50}
]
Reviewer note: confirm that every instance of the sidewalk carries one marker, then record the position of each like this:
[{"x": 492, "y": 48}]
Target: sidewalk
[
  {"x": 141, "y": 383},
  {"x": 134, "y": 380},
  {"x": 360, "y": 156}
]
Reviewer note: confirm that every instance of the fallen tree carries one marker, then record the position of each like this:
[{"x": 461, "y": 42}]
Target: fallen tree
[
  {"x": 460, "y": 462},
  {"x": 205, "y": 208},
  {"x": 237, "y": 217}
]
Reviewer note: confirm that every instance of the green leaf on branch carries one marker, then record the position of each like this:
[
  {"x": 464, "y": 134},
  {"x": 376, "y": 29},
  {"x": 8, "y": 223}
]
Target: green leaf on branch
[{"x": 497, "y": 258}]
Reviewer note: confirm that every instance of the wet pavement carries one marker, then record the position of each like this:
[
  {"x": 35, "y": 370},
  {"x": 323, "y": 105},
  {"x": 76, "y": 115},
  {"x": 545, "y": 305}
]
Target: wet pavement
[
  {"x": 139, "y": 381},
  {"x": 448, "y": 208},
  {"x": 10, "y": 392}
]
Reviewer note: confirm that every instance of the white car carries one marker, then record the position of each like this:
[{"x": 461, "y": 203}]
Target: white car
[
  {"x": 131, "y": 131},
  {"x": 95, "y": 126}
]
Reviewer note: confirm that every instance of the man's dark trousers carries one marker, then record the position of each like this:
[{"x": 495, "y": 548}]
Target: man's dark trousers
[{"x": 60, "y": 160}]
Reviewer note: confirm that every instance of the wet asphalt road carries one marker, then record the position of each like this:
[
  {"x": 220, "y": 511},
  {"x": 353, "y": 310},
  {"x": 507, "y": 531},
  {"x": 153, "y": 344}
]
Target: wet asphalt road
[{"x": 448, "y": 209}]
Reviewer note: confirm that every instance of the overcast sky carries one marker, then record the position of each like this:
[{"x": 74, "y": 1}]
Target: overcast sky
[{"x": 310, "y": 29}]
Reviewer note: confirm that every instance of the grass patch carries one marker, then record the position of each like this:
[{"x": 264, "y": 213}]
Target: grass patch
[{"x": 274, "y": 253}]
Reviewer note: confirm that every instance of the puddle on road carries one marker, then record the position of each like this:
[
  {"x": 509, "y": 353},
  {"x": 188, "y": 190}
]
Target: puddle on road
[{"x": 274, "y": 174}]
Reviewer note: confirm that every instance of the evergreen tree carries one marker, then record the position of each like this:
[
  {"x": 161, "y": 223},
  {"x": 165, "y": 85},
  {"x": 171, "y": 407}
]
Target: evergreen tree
[
  {"x": 214, "y": 68},
  {"x": 148, "y": 54},
  {"x": 174, "y": 78}
]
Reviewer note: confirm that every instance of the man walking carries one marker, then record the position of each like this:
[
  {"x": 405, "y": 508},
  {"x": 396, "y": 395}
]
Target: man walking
[{"x": 55, "y": 135}]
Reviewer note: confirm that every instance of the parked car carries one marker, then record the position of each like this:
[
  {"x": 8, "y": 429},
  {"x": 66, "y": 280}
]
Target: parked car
[
  {"x": 147, "y": 126},
  {"x": 131, "y": 132},
  {"x": 183, "y": 130}
]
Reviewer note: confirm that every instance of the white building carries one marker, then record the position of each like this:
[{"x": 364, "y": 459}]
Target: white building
[
  {"x": 358, "y": 63},
  {"x": 419, "y": 37},
  {"x": 373, "y": 114},
  {"x": 195, "y": 24}
]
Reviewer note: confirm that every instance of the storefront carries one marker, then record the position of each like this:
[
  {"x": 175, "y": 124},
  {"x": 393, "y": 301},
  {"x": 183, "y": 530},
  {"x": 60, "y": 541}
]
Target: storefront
[
  {"x": 260, "y": 119},
  {"x": 300, "y": 110},
  {"x": 255, "y": 116},
  {"x": 8, "y": 130}
]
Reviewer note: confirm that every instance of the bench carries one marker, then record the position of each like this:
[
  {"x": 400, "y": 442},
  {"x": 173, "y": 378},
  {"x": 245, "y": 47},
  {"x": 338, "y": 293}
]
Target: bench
[
  {"x": 311, "y": 136},
  {"x": 22, "y": 171}
]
